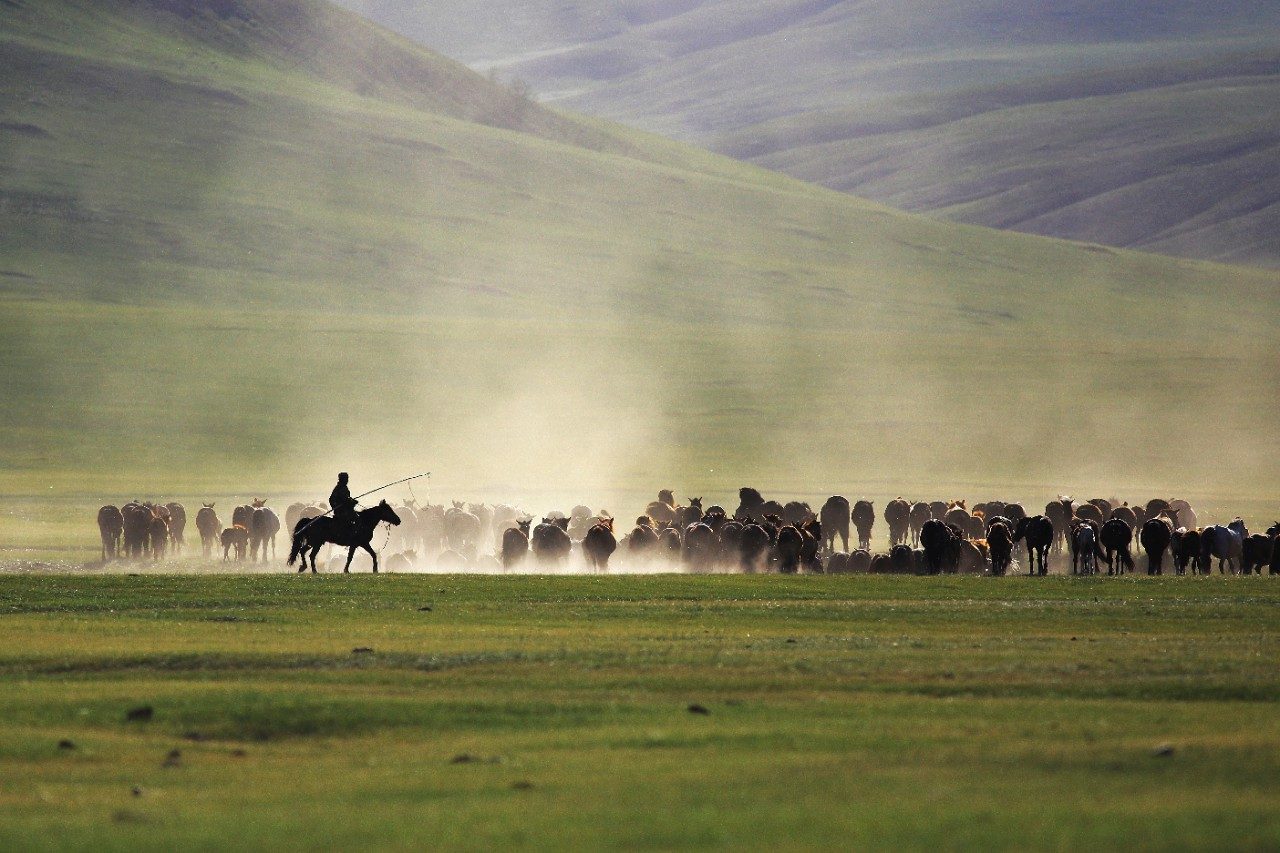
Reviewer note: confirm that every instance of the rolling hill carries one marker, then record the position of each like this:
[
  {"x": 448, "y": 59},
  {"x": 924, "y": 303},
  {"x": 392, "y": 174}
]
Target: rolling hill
[
  {"x": 245, "y": 243},
  {"x": 1145, "y": 124}
]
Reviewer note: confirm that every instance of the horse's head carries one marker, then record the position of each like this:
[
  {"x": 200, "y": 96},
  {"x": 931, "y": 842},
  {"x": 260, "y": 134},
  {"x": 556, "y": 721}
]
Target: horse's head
[{"x": 386, "y": 513}]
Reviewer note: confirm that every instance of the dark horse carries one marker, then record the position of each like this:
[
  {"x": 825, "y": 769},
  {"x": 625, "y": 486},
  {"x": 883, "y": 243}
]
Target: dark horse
[
  {"x": 313, "y": 533},
  {"x": 1038, "y": 531},
  {"x": 1115, "y": 538}
]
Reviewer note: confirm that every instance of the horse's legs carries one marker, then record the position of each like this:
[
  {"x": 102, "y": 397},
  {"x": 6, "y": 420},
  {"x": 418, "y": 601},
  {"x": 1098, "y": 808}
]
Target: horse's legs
[
  {"x": 351, "y": 553},
  {"x": 372, "y": 553}
]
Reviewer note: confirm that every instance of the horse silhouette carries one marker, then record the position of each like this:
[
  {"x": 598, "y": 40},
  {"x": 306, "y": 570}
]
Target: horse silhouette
[{"x": 313, "y": 533}]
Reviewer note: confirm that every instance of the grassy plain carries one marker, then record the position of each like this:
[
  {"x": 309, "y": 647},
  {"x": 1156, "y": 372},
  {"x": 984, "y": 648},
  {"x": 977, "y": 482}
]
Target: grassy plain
[{"x": 535, "y": 712}]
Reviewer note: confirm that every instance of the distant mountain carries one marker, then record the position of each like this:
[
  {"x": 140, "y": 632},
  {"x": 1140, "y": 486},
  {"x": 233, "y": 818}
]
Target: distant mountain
[
  {"x": 1143, "y": 124},
  {"x": 243, "y": 242}
]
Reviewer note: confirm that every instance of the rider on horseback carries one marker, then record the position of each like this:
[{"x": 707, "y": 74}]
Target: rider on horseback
[{"x": 342, "y": 504}]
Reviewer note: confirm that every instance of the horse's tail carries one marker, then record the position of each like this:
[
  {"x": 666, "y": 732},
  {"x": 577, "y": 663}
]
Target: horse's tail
[{"x": 299, "y": 542}]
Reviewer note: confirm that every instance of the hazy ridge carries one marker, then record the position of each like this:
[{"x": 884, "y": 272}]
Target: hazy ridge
[{"x": 1129, "y": 125}]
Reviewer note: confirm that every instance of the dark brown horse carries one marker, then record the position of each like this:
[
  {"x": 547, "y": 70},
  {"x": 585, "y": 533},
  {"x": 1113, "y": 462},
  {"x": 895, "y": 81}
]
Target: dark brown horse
[
  {"x": 235, "y": 537},
  {"x": 1115, "y": 538},
  {"x": 1038, "y": 532},
  {"x": 209, "y": 525},
  {"x": 1186, "y": 547},
  {"x": 111, "y": 529},
  {"x": 897, "y": 514},
  {"x": 834, "y": 516},
  {"x": 177, "y": 526},
  {"x": 262, "y": 531},
  {"x": 515, "y": 544},
  {"x": 137, "y": 528},
  {"x": 1000, "y": 541},
  {"x": 1155, "y": 537},
  {"x": 312, "y": 534},
  {"x": 599, "y": 544},
  {"x": 551, "y": 542},
  {"x": 864, "y": 518},
  {"x": 941, "y": 546},
  {"x": 919, "y": 515}
]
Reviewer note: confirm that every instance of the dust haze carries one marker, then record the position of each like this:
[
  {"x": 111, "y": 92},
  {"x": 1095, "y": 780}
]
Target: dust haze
[{"x": 552, "y": 326}]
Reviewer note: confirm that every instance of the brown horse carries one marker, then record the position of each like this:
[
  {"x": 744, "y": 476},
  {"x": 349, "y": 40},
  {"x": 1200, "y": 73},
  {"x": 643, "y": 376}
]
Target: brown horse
[
  {"x": 209, "y": 525},
  {"x": 599, "y": 544},
  {"x": 897, "y": 514},
  {"x": 111, "y": 529},
  {"x": 834, "y": 516},
  {"x": 312, "y": 534},
  {"x": 864, "y": 518}
]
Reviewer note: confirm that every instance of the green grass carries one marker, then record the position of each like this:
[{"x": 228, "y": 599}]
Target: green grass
[{"x": 867, "y": 712}]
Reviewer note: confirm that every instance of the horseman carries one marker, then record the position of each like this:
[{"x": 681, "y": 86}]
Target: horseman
[{"x": 342, "y": 504}]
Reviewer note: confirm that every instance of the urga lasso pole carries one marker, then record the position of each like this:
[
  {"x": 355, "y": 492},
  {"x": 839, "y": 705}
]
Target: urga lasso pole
[{"x": 358, "y": 497}]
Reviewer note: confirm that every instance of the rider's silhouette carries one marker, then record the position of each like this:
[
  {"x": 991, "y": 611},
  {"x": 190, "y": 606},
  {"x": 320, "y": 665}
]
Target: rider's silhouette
[{"x": 341, "y": 502}]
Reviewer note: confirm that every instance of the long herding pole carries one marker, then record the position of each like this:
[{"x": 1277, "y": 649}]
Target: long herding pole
[
  {"x": 358, "y": 497},
  {"x": 389, "y": 485}
]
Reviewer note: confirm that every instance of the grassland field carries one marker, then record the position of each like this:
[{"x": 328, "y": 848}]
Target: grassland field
[
  {"x": 537, "y": 712},
  {"x": 237, "y": 254}
]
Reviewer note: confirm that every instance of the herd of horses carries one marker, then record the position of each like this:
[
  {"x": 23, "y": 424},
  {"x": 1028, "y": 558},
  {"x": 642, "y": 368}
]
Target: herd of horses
[
  {"x": 761, "y": 535},
  {"x": 147, "y": 530},
  {"x": 924, "y": 537}
]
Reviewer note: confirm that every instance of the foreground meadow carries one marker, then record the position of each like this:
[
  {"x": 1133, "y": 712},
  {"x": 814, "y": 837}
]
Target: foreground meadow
[{"x": 651, "y": 712}]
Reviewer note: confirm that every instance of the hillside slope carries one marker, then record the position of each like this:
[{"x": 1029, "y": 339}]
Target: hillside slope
[
  {"x": 1179, "y": 159},
  {"x": 224, "y": 265},
  {"x": 802, "y": 82}
]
